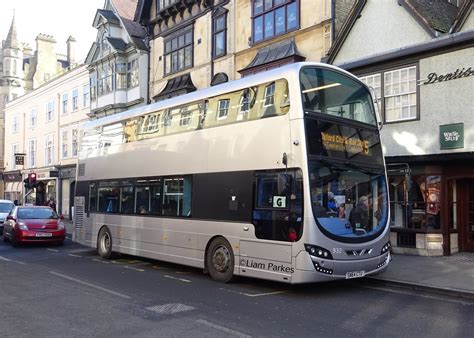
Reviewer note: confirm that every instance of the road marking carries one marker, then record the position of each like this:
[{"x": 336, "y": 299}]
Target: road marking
[
  {"x": 182, "y": 272},
  {"x": 73, "y": 255},
  {"x": 169, "y": 309},
  {"x": 254, "y": 294},
  {"x": 159, "y": 267},
  {"x": 180, "y": 279},
  {"x": 53, "y": 250},
  {"x": 20, "y": 262},
  {"x": 222, "y": 328},
  {"x": 132, "y": 268},
  {"x": 82, "y": 250},
  {"x": 90, "y": 285},
  {"x": 100, "y": 261},
  {"x": 5, "y": 259},
  {"x": 414, "y": 293}
]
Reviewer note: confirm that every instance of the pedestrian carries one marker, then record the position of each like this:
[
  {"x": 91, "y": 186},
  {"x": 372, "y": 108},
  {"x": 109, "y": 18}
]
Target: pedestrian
[{"x": 52, "y": 203}]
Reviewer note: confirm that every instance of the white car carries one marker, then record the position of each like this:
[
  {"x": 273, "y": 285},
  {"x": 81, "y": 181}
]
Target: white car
[{"x": 5, "y": 207}]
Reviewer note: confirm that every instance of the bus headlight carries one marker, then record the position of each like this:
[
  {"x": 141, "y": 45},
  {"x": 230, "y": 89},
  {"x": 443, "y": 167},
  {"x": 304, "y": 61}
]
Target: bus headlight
[
  {"x": 386, "y": 247},
  {"x": 317, "y": 251}
]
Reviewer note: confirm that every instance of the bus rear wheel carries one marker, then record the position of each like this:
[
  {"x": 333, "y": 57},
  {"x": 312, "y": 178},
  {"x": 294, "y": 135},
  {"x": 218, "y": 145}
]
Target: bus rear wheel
[
  {"x": 104, "y": 243},
  {"x": 220, "y": 260}
]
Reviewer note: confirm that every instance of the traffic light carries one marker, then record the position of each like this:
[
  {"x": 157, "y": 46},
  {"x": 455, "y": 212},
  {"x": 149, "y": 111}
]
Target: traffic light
[{"x": 32, "y": 180}]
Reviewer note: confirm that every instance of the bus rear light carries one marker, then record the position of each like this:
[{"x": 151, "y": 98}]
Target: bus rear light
[{"x": 317, "y": 251}]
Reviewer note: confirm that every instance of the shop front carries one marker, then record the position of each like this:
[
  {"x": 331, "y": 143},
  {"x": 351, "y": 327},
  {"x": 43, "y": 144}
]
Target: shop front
[
  {"x": 67, "y": 177},
  {"x": 432, "y": 203},
  {"x": 13, "y": 187},
  {"x": 45, "y": 188}
]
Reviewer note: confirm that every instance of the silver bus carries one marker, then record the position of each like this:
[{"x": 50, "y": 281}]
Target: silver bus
[{"x": 279, "y": 176}]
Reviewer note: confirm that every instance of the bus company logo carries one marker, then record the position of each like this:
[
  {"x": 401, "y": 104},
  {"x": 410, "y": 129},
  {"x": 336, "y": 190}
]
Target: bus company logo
[
  {"x": 341, "y": 143},
  {"x": 249, "y": 263}
]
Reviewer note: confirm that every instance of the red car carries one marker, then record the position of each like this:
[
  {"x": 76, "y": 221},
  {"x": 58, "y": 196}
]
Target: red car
[{"x": 32, "y": 224}]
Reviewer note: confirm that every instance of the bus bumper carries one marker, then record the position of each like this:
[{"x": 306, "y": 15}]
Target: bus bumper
[{"x": 313, "y": 269}]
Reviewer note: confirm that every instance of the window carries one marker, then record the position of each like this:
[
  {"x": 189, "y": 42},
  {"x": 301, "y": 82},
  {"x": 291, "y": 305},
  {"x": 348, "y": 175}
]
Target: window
[
  {"x": 49, "y": 111},
  {"x": 396, "y": 90},
  {"x": 148, "y": 196},
  {"x": 64, "y": 103},
  {"x": 179, "y": 51},
  {"x": 75, "y": 140},
  {"x": 15, "y": 124},
  {"x": 177, "y": 197},
  {"x": 75, "y": 99},
  {"x": 150, "y": 123},
  {"x": 415, "y": 202},
  {"x": 49, "y": 149},
  {"x": 223, "y": 109},
  {"x": 15, "y": 149},
  {"x": 167, "y": 118},
  {"x": 32, "y": 153},
  {"x": 400, "y": 94},
  {"x": 109, "y": 194},
  {"x": 93, "y": 86},
  {"x": 32, "y": 121},
  {"x": 161, "y": 4},
  {"x": 186, "y": 116},
  {"x": 93, "y": 197},
  {"x": 104, "y": 45},
  {"x": 64, "y": 143},
  {"x": 105, "y": 79},
  {"x": 273, "y": 18},
  {"x": 132, "y": 74},
  {"x": 219, "y": 35},
  {"x": 85, "y": 95},
  {"x": 269, "y": 94},
  {"x": 127, "y": 198},
  {"x": 121, "y": 75}
]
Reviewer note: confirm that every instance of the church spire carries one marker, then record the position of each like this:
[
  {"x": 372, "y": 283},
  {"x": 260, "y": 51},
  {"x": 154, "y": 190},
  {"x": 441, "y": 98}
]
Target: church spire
[{"x": 12, "y": 38}]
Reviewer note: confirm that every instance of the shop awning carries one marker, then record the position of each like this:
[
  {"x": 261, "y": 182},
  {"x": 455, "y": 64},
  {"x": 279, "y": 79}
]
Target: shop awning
[{"x": 12, "y": 176}]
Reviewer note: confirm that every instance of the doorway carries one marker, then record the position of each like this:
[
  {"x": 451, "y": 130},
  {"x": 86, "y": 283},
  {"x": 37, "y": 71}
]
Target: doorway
[{"x": 466, "y": 208}]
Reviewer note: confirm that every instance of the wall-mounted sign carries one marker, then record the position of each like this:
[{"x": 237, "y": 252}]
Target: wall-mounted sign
[
  {"x": 19, "y": 159},
  {"x": 451, "y": 136},
  {"x": 459, "y": 73}
]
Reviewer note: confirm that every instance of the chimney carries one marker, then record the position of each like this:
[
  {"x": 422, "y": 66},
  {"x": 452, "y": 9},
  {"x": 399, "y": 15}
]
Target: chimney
[{"x": 71, "y": 54}]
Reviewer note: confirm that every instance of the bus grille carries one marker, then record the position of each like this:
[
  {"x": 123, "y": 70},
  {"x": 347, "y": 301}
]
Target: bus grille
[{"x": 78, "y": 216}]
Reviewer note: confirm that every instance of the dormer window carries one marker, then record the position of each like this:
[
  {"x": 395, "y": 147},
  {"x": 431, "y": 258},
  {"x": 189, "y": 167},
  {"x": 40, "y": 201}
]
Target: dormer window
[{"x": 104, "y": 45}]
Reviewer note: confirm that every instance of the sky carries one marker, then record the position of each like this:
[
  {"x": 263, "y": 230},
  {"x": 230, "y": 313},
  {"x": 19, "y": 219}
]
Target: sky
[{"x": 59, "y": 18}]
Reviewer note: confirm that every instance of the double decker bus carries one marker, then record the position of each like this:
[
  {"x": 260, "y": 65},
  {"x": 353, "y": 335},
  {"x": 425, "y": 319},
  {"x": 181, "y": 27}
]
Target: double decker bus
[{"x": 279, "y": 176}]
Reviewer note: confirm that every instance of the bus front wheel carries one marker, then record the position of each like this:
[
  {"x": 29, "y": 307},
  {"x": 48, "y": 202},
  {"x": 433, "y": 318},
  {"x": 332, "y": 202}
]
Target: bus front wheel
[
  {"x": 104, "y": 243},
  {"x": 220, "y": 260}
]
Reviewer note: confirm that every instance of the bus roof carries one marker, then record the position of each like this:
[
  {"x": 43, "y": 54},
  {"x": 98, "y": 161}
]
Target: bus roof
[{"x": 274, "y": 74}]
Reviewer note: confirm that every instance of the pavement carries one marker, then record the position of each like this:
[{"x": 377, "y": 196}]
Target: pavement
[{"x": 449, "y": 275}]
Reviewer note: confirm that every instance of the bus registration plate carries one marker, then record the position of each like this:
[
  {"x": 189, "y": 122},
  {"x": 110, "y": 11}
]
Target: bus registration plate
[{"x": 355, "y": 274}]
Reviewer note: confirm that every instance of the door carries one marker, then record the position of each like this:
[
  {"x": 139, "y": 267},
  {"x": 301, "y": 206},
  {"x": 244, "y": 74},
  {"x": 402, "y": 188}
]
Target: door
[{"x": 467, "y": 217}]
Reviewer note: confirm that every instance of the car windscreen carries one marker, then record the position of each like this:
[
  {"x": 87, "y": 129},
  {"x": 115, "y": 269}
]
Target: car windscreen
[
  {"x": 6, "y": 207},
  {"x": 37, "y": 213}
]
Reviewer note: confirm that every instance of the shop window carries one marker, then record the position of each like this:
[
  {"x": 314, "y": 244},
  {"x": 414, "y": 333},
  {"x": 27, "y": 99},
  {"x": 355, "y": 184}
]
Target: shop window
[
  {"x": 452, "y": 205},
  {"x": 415, "y": 202}
]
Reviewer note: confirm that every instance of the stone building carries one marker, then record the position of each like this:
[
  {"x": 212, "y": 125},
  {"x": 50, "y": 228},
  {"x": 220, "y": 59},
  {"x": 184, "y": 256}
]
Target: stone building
[{"x": 22, "y": 70}]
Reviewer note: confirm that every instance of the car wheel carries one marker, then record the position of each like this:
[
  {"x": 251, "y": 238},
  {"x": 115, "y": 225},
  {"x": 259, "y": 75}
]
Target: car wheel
[
  {"x": 5, "y": 239},
  {"x": 104, "y": 243},
  {"x": 220, "y": 260}
]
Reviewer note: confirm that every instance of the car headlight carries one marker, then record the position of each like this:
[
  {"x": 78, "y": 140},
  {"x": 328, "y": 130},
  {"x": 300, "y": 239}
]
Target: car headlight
[
  {"x": 60, "y": 225},
  {"x": 22, "y": 226}
]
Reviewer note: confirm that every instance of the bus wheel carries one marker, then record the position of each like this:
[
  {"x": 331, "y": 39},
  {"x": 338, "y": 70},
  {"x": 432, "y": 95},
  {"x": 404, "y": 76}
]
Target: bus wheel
[
  {"x": 220, "y": 260},
  {"x": 104, "y": 243}
]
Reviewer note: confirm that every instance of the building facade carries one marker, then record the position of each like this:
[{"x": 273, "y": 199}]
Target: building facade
[
  {"x": 423, "y": 78},
  {"x": 22, "y": 70},
  {"x": 42, "y": 138},
  {"x": 200, "y": 43},
  {"x": 118, "y": 60}
]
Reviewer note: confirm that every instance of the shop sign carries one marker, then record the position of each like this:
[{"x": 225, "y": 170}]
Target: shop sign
[
  {"x": 54, "y": 173},
  {"x": 12, "y": 177},
  {"x": 19, "y": 159},
  {"x": 451, "y": 136},
  {"x": 459, "y": 73}
]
